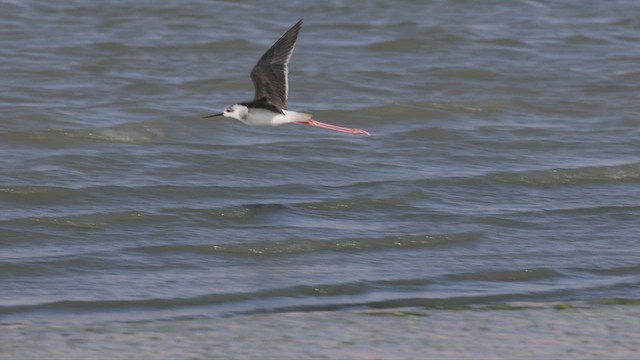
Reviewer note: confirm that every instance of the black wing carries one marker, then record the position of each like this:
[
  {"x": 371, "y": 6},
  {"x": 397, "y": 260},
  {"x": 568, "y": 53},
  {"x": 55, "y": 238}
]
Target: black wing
[{"x": 270, "y": 75}]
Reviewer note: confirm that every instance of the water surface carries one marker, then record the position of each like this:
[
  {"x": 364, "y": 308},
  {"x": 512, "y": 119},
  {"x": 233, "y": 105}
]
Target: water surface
[{"x": 503, "y": 165}]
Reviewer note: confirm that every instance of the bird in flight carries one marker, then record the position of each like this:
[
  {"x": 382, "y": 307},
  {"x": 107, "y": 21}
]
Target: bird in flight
[{"x": 271, "y": 82}]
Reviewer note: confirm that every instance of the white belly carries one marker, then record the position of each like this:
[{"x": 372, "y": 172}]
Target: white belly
[{"x": 261, "y": 117}]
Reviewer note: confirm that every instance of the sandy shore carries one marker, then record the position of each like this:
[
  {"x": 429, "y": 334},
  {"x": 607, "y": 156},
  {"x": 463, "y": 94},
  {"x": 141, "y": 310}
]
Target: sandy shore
[{"x": 595, "y": 332}]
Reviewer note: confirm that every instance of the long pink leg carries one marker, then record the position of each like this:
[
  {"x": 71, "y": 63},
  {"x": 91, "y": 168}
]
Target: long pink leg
[{"x": 333, "y": 127}]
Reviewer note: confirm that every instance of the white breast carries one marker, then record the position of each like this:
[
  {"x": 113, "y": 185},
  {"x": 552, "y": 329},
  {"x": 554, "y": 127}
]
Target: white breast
[{"x": 261, "y": 117}]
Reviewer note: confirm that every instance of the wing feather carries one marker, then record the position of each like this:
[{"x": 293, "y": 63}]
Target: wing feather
[{"x": 270, "y": 75}]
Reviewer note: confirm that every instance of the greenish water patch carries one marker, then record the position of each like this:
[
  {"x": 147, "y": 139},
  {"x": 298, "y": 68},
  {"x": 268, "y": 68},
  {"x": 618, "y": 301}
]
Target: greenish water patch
[
  {"x": 396, "y": 313},
  {"x": 563, "y": 307},
  {"x": 503, "y": 307},
  {"x": 617, "y": 301}
]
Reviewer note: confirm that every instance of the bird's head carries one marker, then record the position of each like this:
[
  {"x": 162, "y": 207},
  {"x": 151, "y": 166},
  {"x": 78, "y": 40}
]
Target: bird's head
[{"x": 236, "y": 111}]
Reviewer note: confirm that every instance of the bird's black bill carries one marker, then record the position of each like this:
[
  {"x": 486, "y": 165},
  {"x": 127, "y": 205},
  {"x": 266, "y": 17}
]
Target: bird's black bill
[{"x": 210, "y": 116}]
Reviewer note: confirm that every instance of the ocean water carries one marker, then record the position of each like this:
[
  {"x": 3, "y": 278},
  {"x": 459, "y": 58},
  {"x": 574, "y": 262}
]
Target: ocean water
[{"x": 503, "y": 166}]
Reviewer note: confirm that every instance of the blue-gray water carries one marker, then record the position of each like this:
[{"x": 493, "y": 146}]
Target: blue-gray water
[{"x": 503, "y": 166}]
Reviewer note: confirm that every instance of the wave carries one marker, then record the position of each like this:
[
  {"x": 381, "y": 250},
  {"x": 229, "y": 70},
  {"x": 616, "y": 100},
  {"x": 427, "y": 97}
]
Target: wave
[
  {"x": 131, "y": 133},
  {"x": 35, "y": 193},
  {"x": 571, "y": 176},
  {"x": 469, "y": 74},
  {"x": 136, "y": 133},
  {"x": 403, "y": 45},
  {"x": 321, "y": 290},
  {"x": 378, "y": 294},
  {"x": 247, "y": 211},
  {"x": 507, "y": 275},
  {"x": 297, "y": 246},
  {"x": 432, "y": 109},
  {"x": 354, "y": 203},
  {"x": 89, "y": 221},
  {"x": 31, "y": 195}
]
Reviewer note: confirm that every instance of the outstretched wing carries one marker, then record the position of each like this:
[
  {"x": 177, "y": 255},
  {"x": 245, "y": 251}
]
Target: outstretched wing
[{"x": 270, "y": 75}]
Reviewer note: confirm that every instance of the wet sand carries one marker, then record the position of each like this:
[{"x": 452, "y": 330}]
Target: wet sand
[{"x": 560, "y": 332}]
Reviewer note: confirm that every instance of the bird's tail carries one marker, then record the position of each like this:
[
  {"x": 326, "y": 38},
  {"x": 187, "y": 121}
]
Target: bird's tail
[{"x": 297, "y": 116}]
